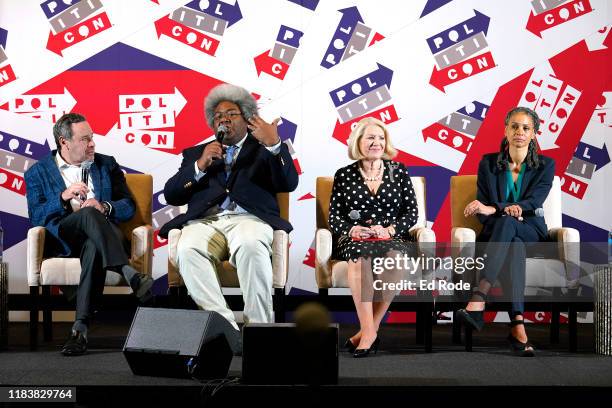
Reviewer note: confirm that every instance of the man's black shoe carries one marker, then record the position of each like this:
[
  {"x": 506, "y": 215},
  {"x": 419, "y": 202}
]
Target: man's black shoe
[
  {"x": 141, "y": 286},
  {"x": 76, "y": 345}
]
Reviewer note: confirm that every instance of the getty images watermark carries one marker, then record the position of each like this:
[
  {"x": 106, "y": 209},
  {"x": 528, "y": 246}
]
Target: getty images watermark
[
  {"x": 553, "y": 270},
  {"x": 408, "y": 267}
]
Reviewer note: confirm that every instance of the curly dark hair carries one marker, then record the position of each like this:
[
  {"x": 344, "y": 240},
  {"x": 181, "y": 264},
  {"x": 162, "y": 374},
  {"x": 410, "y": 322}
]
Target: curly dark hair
[{"x": 532, "y": 159}]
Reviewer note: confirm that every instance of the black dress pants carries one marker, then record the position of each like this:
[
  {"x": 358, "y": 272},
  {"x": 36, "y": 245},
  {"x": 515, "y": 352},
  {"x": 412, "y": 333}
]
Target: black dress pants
[{"x": 100, "y": 245}]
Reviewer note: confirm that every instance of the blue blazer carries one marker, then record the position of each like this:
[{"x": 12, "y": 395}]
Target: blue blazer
[
  {"x": 534, "y": 190},
  {"x": 44, "y": 186},
  {"x": 255, "y": 179}
]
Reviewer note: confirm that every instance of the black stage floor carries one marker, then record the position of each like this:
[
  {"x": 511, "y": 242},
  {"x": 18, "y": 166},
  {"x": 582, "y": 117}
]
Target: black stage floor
[{"x": 401, "y": 366}]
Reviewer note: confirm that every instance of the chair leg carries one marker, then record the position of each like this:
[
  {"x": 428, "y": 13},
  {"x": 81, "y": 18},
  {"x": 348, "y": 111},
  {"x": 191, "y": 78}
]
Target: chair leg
[
  {"x": 429, "y": 315},
  {"x": 554, "y": 324},
  {"x": 47, "y": 314},
  {"x": 173, "y": 297},
  {"x": 420, "y": 324},
  {"x": 33, "y": 317},
  {"x": 468, "y": 338},
  {"x": 323, "y": 296},
  {"x": 456, "y": 329},
  {"x": 573, "y": 329},
  {"x": 279, "y": 305}
]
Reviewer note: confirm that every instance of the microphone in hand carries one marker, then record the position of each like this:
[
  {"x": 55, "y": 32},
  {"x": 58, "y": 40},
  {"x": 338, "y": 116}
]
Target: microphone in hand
[
  {"x": 85, "y": 168},
  {"x": 221, "y": 132}
]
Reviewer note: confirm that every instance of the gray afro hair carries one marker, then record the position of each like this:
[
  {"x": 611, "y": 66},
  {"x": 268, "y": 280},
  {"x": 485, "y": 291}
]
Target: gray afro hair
[{"x": 229, "y": 93}]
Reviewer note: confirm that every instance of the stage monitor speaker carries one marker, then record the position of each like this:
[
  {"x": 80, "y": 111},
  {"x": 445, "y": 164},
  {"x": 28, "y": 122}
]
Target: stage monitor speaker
[
  {"x": 280, "y": 354},
  {"x": 180, "y": 343}
]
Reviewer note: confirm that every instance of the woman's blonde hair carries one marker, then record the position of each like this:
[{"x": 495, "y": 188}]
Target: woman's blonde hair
[{"x": 357, "y": 133}]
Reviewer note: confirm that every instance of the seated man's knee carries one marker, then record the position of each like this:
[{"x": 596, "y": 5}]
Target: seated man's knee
[{"x": 254, "y": 246}]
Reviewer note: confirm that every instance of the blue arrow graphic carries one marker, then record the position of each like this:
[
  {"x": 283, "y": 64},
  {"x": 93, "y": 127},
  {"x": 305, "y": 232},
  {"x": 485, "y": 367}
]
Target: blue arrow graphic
[
  {"x": 373, "y": 80},
  {"x": 15, "y": 228},
  {"x": 219, "y": 9},
  {"x": 478, "y": 110},
  {"x": 23, "y": 147},
  {"x": 433, "y": 5},
  {"x": 3, "y": 35},
  {"x": 592, "y": 154},
  {"x": 309, "y": 4},
  {"x": 459, "y": 32},
  {"x": 287, "y": 130},
  {"x": 350, "y": 18}
]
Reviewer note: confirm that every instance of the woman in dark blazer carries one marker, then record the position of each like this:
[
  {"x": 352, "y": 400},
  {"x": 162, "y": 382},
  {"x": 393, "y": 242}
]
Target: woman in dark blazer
[
  {"x": 371, "y": 198},
  {"x": 512, "y": 185}
]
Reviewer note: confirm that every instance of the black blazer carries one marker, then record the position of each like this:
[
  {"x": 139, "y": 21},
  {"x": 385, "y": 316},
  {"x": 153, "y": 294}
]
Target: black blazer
[
  {"x": 534, "y": 190},
  {"x": 256, "y": 177}
]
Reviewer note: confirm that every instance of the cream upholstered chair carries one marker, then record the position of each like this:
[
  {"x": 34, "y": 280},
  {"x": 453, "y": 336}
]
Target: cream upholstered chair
[
  {"x": 46, "y": 272},
  {"x": 227, "y": 274},
  {"x": 333, "y": 273},
  {"x": 550, "y": 273}
]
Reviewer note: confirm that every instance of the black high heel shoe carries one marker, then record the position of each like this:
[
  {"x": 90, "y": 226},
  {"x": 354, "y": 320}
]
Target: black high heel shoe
[
  {"x": 473, "y": 318},
  {"x": 360, "y": 353},
  {"x": 518, "y": 347},
  {"x": 349, "y": 346}
]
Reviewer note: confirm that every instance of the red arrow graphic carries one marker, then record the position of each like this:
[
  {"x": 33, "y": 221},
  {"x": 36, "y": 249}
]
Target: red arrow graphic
[
  {"x": 271, "y": 66},
  {"x": 556, "y": 16},
  {"x": 186, "y": 35},
  {"x": 448, "y": 137},
  {"x": 461, "y": 70},
  {"x": 80, "y": 32}
]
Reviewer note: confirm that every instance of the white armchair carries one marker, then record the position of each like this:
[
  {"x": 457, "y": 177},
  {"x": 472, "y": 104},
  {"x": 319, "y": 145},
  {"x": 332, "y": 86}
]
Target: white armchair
[
  {"x": 227, "y": 275},
  {"x": 43, "y": 273},
  {"x": 550, "y": 273}
]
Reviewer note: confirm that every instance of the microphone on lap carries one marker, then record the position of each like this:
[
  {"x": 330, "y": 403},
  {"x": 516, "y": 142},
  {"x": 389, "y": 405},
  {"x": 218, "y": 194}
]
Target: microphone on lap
[{"x": 538, "y": 212}]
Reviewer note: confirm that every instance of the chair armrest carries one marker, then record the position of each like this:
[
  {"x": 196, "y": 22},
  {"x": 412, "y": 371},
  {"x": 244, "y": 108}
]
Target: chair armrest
[
  {"x": 142, "y": 249},
  {"x": 174, "y": 278},
  {"x": 425, "y": 239},
  {"x": 280, "y": 258},
  {"x": 323, "y": 253},
  {"x": 463, "y": 242},
  {"x": 568, "y": 243},
  {"x": 35, "y": 248}
]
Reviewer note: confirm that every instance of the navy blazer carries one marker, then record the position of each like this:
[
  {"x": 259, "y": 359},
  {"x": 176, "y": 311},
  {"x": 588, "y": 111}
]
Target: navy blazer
[
  {"x": 44, "y": 186},
  {"x": 256, "y": 177},
  {"x": 534, "y": 190}
]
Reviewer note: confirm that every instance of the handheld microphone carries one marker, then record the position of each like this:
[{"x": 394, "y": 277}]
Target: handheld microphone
[
  {"x": 538, "y": 212},
  {"x": 221, "y": 132},
  {"x": 85, "y": 166}
]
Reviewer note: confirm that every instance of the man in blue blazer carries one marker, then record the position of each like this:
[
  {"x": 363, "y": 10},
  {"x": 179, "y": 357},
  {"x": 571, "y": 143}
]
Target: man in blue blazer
[
  {"x": 79, "y": 196},
  {"x": 230, "y": 187}
]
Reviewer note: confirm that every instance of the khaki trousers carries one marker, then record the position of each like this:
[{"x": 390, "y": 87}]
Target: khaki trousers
[{"x": 246, "y": 241}]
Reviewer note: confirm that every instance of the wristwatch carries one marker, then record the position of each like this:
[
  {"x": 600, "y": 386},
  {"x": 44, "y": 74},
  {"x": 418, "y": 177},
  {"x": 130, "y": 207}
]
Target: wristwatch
[
  {"x": 107, "y": 208},
  {"x": 391, "y": 230}
]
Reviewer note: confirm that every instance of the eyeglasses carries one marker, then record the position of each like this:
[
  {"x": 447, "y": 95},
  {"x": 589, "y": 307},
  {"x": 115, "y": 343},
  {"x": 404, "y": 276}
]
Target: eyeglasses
[{"x": 229, "y": 114}]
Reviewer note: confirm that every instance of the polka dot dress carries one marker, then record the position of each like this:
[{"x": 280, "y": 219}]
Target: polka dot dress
[{"x": 352, "y": 204}]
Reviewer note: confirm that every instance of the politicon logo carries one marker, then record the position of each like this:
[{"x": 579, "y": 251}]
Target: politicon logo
[
  {"x": 368, "y": 95},
  {"x": 199, "y": 24},
  {"x": 461, "y": 51},
  {"x": 351, "y": 36},
  {"x": 7, "y": 74},
  {"x": 547, "y": 14},
  {"x": 459, "y": 129},
  {"x": 73, "y": 22}
]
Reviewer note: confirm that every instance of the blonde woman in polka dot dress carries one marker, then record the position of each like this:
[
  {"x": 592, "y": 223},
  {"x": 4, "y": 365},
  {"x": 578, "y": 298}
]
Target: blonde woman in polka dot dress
[{"x": 371, "y": 198}]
